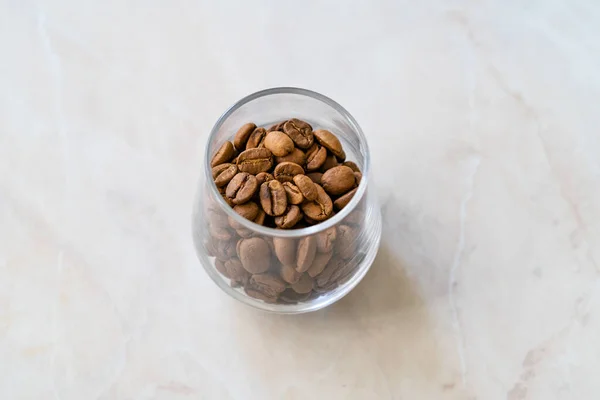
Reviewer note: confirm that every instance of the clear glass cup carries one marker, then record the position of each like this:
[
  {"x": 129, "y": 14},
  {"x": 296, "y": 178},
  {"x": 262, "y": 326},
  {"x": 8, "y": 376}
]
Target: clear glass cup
[{"x": 344, "y": 246}]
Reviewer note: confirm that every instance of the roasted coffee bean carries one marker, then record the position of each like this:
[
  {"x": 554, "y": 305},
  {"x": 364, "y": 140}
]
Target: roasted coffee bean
[
  {"x": 247, "y": 210},
  {"x": 244, "y": 232},
  {"x": 304, "y": 284},
  {"x": 260, "y": 218},
  {"x": 289, "y": 274},
  {"x": 325, "y": 276},
  {"x": 241, "y": 188},
  {"x": 358, "y": 177},
  {"x": 331, "y": 142},
  {"x": 296, "y": 156},
  {"x": 269, "y": 283},
  {"x": 263, "y": 177},
  {"x": 319, "y": 264},
  {"x": 306, "y": 187},
  {"x": 285, "y": 250},
  {"x": 218, "y": 219},
  {"x": 286, "y": 171},
  {"x": 344, "y": 200},
  {"x": 356, "y": 217},
  {"x": 305, "y": 254},
  {"x": 255, "y": 254},
  {"x": 257, "y": 294},
  {"x": 219, "y": 233},
  {"x": 326, "y": 240},
  {"x": 289, "y": 296},
  {"x": 327, "y": 288},
  {"x": 330, "y": 162},
  {"x": 220, "y": 266},
  {"x": 300, "y": 132},
  {"x": 242, "y": 135},
  {"x": 294, "y": 195},
  {"x": 315, "y": 157},
  {"x": 277, "y": 127},
  {"x": 225, "y": 153},
  {"x": 279, "y": 143},
  {"x": 352, "y": 165},
  {"x": 338, "y": 180},
  {"x": 273, "y": 198},
  {"x": 225, "y": 249},
  {"x": 227, "y": 200},
  {"x": 255, "y": 161},
  {"x": 345, "y": 246},
  {"x": 315, "y": 177},
  {"x": 236, "y": 272},
  {"x": 256, "y": 139},
  {"x": 321, "y": 208},
  {"x": 223, "y": 173},
  {"x": 289, "y": 218}
]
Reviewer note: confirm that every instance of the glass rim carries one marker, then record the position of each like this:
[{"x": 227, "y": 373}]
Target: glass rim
[{"x": 289, "y": 233}]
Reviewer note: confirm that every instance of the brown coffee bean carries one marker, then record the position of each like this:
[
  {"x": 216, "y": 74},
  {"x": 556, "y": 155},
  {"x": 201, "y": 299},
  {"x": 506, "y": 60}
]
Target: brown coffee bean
[
  {"x": 255, "y": 161},
  {"x": 304, "y": 284},
  {"x": 220, "y": 266},
  {"x": 263, "y": 177},
  {"x": 294, "y": 195},
  {"x": 296, "y": 156},
  {"x": 305, "y": 255},
  {"x": 268, "y": 283},
  {"x": 225, "y": 249},
  {"x": 255, "y": 254},
  {"x": 352, "y": 165},
  {"x": 315, "y": 157},
  {"x": 242, "y": 135},
  {"x": 326, "y": 240},
  {"x": 286, "y": 171},
  {"x": 356, "y": 217},
  {"x": 289, "y": 296},
  {"x": 256, "y": 139},
  {"x": 346, "y": 242},
  {"x": 219, "y": 233},
  {"x": 338, "y": 180},
  {"x": 285, "y": 250},
  {"x": 327, "y": 288},
  {"x": 247, "y": 210},
  {"x": 330, "y": 162},
  {"x": 324, "y": 278},
  {"x": 260, "y": 217},
  {"x": 344, "y": 200},
  {"x": 273, "y": 198},
  {"x": 306, "y": 187},
  {"x": 358, "y": 177},
  {"x": 289, "y": 274},
  {"x": 321, "y": 208},
  {"x": 279, "y": 143},
  {"x": 319, "y": 264},
  {"x": 315, "y": 177},
  {"x": 227, "y": 200},
  {"x": 223, "y": 173},
  {"x": 225, "y": 153},
  {"x": 257, "y": 294},
  {"x": 289, "y": 218},
  {"x": 241, "y": 188},
  {"x": 236, "y": 272},
  {"x": 331, "y": 142},
  {"x": 300, "y": 132},
  {"x": 244, "y": 233},
  {"x": 277, "y": 127}
]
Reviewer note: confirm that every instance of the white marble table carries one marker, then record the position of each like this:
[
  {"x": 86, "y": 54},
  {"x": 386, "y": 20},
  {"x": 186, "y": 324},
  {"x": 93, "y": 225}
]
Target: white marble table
[{"x": 486, "y": 116}]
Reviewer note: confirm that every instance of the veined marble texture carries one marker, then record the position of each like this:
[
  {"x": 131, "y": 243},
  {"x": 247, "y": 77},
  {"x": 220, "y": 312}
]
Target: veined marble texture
[{"x": 483, "y": 119}]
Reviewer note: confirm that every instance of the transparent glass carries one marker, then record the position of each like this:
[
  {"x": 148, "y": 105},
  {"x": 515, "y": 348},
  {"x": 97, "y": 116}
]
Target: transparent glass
[{"x": 349, "y": 240}]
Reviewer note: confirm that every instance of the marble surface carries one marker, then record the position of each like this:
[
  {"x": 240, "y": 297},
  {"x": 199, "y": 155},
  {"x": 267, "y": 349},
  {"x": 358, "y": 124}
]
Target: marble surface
[{"x": 483, "y": 119}]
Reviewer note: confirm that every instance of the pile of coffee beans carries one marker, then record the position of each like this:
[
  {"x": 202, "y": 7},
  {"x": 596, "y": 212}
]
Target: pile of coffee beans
[{"x": 288, "y": 176}]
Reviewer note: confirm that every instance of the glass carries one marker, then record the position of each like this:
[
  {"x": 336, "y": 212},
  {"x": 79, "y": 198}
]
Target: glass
[{"x": 346, "y": 243}]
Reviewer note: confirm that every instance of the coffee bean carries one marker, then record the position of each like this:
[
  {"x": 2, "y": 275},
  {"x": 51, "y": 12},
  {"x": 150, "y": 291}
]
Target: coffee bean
[
  {"x": 273, "y": 198},
  {"x": 300, "y": 132},
  {"x": 326, "y": 239},
  {"x": 236, "y": 271},
  {"x": 289, "y": 296},
  {"x": 255, "y": 254},
  {"x": 286, "y": 171},
  {"x": 338, "y": 180},
  {"x": 225, "y": 153},
  {"x": 260, "y": 217},
  {"x": 296, "y": 156},
  {"x": 330, "y": 162},
  {"x": 306, "y": 187},
  {"x": 256, "y": 139},
  {"x": 220, "y": 266},
  {"x": 223, "y": 173},
  {"x": 269, "y": 283},
  {"x": 285, "y": 250},
  {"x": 321, "y": 208},
  {"x": 346, "y": 243},
  {"x": 289, "y": 274},
  {"x": 358, "y": 177},
  {"x": 304, "y": 284},
  {"x": 290, "y": 217},
  {"x": 247, "y": 210},
  {"x": 315, "y": 177},
  {"x": 315, "y": 157},
  {"x": 319, "y": 263},
  {"x": 352, "y": 165},
  {"x": 263, "y": 177},
  {"x": 344, "y": 200},
  {"x": 241, "y": 188},
  {"x": 227, "y": 200},
  {"x": 294, "y": 195},
  {"x": 323, "y": 279},
  {"x": 255, "y": 160},
  {"x": 219, "y": 233},
  {"x": 225, "y": 249},
  {"x": 277, "y": 127},
  {"x": 242, "y": 135},
  {"x": 257, "y": 294},
  {"x": 305, "y": 255},
  {"x": 331, "y": 142},
  {"x": 244, "y": 233},
  {"x": 279, "y": 143}
]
